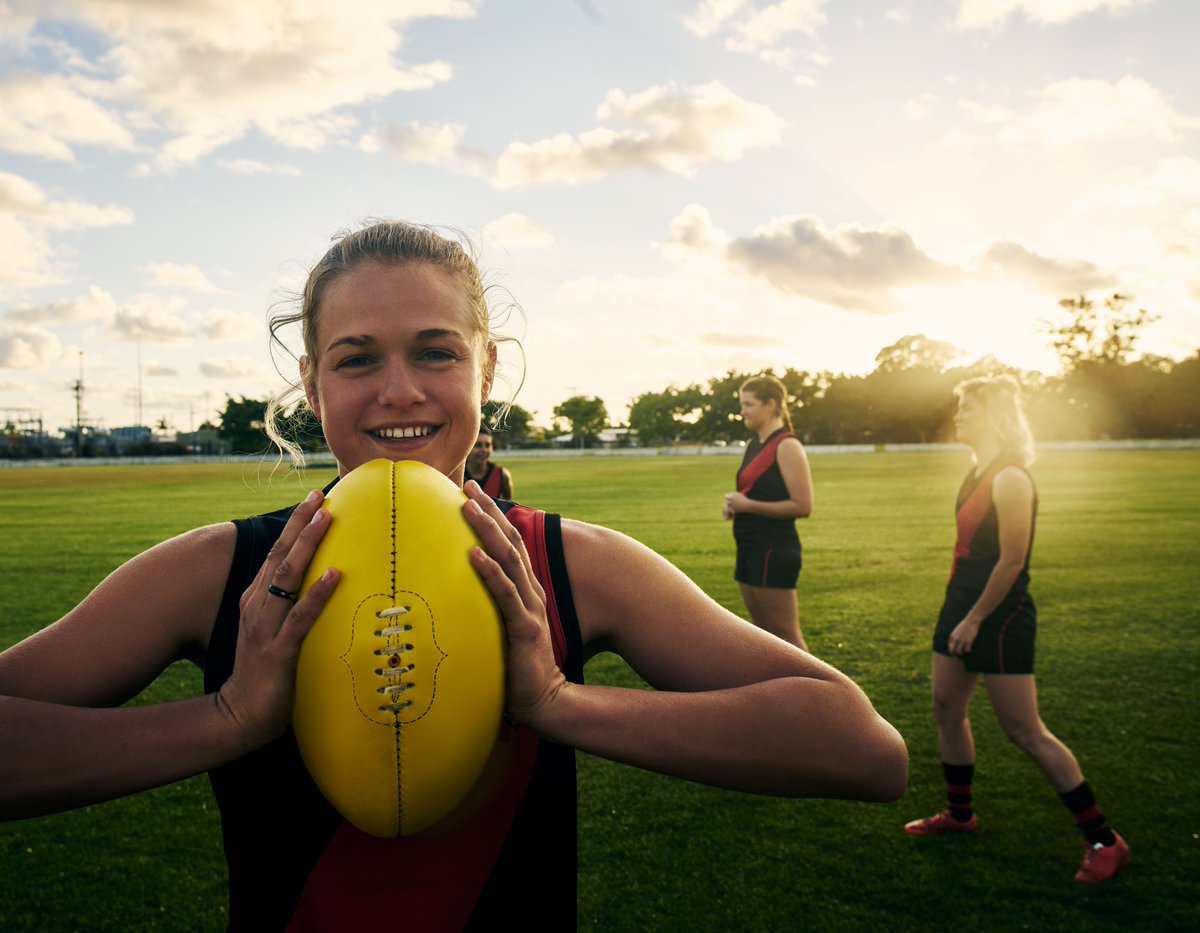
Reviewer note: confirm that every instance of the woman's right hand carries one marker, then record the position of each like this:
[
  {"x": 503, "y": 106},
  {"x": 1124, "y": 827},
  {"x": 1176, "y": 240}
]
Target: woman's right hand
[{"x": 275, "y": 617}]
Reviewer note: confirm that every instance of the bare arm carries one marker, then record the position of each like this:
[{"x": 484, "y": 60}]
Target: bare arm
[
  {"x": 62, "y": 742},
  {"x": 734, "y": 706},
  {"x": 793, "y": 465},
  {"x": 1012, "y": 492}
]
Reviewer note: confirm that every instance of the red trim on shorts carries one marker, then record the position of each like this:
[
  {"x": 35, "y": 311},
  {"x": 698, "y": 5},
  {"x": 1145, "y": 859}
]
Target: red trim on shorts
[
  {"x": 1000, "y": 637},
  {"x": 767, "y": 565}
]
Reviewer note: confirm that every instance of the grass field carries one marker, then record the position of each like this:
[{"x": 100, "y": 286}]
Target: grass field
[{"x": 1114, "y": 571}]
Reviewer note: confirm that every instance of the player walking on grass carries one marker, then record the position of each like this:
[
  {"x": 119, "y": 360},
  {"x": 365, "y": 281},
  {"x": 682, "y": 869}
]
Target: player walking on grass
[
  {"x": 988, "y": 622},
  {"x": 774, "y": 488}
]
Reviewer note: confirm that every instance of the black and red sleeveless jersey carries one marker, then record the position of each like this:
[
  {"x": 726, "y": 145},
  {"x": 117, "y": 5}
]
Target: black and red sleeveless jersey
[
  {"x": 977, "y": 543},
  {"x": 295, "y": 864},
  {"x": 493, "y": 482},
  {"x": 759, "y": 478}
]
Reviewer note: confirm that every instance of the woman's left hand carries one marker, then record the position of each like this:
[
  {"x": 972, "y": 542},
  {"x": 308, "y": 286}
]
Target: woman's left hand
[
  {"x": 963, "y": 637},
  {"x": 533, "y": 679},
  {"x": 734, "y": 502}
]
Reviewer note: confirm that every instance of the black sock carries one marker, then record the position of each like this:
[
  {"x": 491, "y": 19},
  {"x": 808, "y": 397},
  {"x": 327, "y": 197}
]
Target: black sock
[
  {"x": 958, "y": 790},
  {"x": 1087, "y": 815}
]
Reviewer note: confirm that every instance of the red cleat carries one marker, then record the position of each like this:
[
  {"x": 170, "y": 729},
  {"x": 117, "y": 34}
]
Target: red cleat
[
  {"x": 942, "y": 822},
  {"x": 1100, "y": 863}
]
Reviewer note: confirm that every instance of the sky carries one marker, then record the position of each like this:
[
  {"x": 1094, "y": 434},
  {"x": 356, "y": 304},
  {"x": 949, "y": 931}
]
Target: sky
[{"x": 666, "y": 190}]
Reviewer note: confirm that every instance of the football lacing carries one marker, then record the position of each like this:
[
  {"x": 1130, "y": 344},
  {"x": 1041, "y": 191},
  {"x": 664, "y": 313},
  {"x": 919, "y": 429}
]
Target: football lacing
[{"x": 393, "y": 652}]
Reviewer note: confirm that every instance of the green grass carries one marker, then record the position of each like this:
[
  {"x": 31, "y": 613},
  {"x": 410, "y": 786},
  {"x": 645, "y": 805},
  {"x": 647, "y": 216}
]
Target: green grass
[{"x": 1114, "y": 569}]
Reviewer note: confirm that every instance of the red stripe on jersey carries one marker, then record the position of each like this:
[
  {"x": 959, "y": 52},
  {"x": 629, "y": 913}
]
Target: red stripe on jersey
[
  {"x": 444, "y": 869},
  {"x": 752, "y": 471}
]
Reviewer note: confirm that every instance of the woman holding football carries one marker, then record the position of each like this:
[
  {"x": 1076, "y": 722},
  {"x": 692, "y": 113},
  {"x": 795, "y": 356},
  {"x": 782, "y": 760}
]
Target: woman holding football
[{"x": 398, "y": 359}]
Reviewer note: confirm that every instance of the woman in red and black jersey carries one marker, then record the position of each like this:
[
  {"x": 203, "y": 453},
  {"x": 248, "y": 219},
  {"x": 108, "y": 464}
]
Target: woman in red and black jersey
[
  {"x": 988, "y": 622},
  {"x": 774, "y": 488}
]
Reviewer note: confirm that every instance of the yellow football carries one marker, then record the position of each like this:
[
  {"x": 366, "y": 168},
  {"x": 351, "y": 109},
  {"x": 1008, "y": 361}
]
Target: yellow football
[{"x": 400, "y": 683}]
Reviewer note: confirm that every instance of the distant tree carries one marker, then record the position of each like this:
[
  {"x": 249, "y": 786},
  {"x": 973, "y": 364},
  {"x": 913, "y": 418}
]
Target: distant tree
[
  {"x": 720, "y": 417},
  {"x": 587, "y": 417},
  {"x": 242, "y": 425},
  {"x": 916, "y": 351},
  {"x": 1103, "y": 333},
  {"x": 654, "y": 417},
  {"x": 514, "y": 430}
]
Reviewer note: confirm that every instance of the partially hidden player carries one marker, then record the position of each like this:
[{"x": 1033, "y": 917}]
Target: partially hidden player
[
  {"x": 399, "y": 356},
  {"x": 988, "y": 622},
  {"x": 774, "y": 488},
  {"x": 492, "y": 478}
]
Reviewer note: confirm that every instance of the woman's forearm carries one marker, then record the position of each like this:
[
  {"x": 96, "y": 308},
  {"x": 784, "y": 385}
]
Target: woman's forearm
[
  {"x": 792, "y": 736},
  {"x": 999, "y": 583},
  {"x": 56, "y": 757},
  {"x": 781, "y": 508}
]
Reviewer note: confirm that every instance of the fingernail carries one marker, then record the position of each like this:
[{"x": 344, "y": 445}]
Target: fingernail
[
  {"x": 312, "y": 496},
  {"x": 319, "y": 516},
  {"x": 473, "y": 507}
]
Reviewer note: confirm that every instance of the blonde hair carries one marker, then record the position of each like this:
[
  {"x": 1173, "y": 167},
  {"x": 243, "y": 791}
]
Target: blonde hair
[
  {"x": 767, "y": 388},
  {"x": 1000, "y": 397},
  {"x": 387, "y": 243}
]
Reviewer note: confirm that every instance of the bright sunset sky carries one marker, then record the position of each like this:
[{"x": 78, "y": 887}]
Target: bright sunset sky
[{"x": 669, "y": 189}]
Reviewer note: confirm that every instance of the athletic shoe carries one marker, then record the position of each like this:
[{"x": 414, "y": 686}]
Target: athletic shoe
[
  {"x": 942, "y": 822},
  {"x": 1100, "y": 863}
]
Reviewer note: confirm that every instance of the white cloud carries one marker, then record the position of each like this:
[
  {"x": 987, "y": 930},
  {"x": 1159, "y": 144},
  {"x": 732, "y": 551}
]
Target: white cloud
[
  {"x": 160, "y": 370},
  {"x": 517, "y": 231},
  {"x": 45, "y": 115},
  {"x": 179, "y": 275},
  {"x": 94, "y": 305},
  {"x": 984, "y": 14},
  {"x": 147, "y": 319},
  {"x": 864, "y": 268},
  {"x": 917, "y": 108},
  {"x": 1081, "y": 110},
  {"x": 241, "y": 368},
  {"x": 710, "y": 15},
  {"x": 437, "y": 144},
  {"x": 853, "y": 266},
  {"x": 765, "y": 31},
  {"x": 207, "y": 73},
  {"x": 254, "y": 167},
  {"x": 27, "y": 215},
  {"x": 25, "y": 347},
  {"x": 672, "y": 129},
  {"x": 224, "y": 324},
  {"x": 1049, "y": 275}
]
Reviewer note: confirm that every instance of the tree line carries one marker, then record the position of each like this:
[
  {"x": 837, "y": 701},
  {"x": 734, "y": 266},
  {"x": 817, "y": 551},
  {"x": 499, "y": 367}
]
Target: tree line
[{"x": 1101, "y": 392}]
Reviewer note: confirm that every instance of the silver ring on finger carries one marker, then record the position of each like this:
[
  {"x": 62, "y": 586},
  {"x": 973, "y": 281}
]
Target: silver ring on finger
[{"x": 282, "y": 593}]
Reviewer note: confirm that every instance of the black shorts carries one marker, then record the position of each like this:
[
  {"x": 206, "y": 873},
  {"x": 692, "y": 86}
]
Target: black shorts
[
  {"x": 1005, "y": 641},
  {"x": 775, "y": 567}
]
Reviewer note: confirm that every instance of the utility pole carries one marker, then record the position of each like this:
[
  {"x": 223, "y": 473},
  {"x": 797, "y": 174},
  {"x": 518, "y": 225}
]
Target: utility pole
[{"x": 77, "y": 388}]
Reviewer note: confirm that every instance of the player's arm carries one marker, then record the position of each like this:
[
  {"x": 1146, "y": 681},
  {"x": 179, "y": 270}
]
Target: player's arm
[
  {"x": 734, "y": 706},
  {"x": 506, "y": 485},
  {"x": 793, "y": 465},
  {"x": 1012, "y": 493},
  {"x": 65, "y": 741}
]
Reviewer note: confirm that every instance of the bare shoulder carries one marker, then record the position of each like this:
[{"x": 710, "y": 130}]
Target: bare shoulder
[
  {"x": 1012, "y": 483},
  {"x": 791, "y": 453},
  {"x": 156, "y": 608}
]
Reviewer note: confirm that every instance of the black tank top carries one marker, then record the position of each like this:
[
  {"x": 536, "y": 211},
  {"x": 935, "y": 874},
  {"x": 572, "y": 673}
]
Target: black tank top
[{"x": 295, "y": 864}]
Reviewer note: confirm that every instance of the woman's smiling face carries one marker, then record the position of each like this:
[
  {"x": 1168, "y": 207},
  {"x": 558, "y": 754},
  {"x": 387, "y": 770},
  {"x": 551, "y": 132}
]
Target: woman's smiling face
[{"x": 401, "y": 370}]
